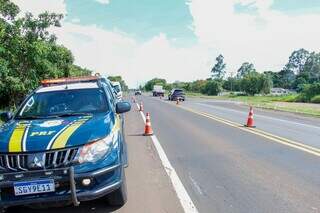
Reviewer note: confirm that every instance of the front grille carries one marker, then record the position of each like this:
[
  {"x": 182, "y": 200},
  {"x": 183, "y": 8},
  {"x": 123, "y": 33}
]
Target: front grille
[{"x": 37, "y": 161}]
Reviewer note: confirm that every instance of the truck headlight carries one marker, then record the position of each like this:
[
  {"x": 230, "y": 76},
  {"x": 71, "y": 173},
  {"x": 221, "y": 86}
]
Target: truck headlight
[{"x": 94, "y": 151}]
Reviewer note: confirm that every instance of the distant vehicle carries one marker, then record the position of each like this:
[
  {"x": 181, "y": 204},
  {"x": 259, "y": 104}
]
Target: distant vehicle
[
  {"x": 65, "y": 143},
  {"x": 117, "y": 88},
  {"x": 280, "y": 91},
  {"x": 138, "y": 92},
  {"x": 158, "y": 91},
  {"x": 176, "y": 94}
]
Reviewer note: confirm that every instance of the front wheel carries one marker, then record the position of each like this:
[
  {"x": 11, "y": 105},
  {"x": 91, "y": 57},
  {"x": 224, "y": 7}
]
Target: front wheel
[{"x": 119, "y": 196}]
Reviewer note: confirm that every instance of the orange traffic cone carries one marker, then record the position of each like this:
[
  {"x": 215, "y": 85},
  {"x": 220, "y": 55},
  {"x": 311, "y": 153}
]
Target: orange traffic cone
[
  {"x": 141, "y": 107},
  {"x": 250, "y": 122},
  {"x": 148, "y": 129}
]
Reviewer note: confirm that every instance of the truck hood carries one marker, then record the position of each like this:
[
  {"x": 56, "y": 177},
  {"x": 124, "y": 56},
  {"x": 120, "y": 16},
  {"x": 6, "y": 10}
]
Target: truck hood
[{"x": 46, "y": 134}]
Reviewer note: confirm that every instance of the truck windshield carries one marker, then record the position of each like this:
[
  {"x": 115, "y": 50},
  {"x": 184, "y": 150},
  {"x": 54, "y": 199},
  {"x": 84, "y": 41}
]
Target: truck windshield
[{"x": 61, "y": 103}]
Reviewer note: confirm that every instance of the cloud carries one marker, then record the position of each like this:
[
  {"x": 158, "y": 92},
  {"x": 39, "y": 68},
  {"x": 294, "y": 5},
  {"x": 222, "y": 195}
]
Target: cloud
[
  {"x": 103, "y": 1},
  {"x": 39, "y": 6},
  {"x": 115, "y": 53},
  {"x": 266, "y": 38}
]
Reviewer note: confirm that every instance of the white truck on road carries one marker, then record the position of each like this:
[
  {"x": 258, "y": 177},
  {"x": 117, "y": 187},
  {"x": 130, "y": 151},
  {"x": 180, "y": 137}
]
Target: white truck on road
[
  {"x": 158, "y": 91},
  {"x": 117, "y": 88}
]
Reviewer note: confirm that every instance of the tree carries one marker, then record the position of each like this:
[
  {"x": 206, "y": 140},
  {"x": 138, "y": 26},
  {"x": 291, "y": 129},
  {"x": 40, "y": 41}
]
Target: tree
[
  {"x": 309, "y": 91},
  {"x": 245, "y": 69},
  {"x": 198, "y": 85},
  {"x": 255, "y": 83},
  {"x": 8, "y": 9},
  {"x": 297, "y": 61},
  {"x": 76, "y": 70},
  {"x": 212, "y": 87},
  {"x": 286, "y": 78},
  {"x": 29, "y": 52},
  {"x": 311, "y": 68},
  {"x": 218, "y": 71},
  {"x": 275, "y": 77},
  {"x": 266, "y": 83},
  {"x": 156, "y": 81},
  {"x": 232, "y": 84}
]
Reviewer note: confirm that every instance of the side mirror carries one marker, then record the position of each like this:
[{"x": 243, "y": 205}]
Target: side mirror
[
  {"x": 122, "y": 107},
  {"x": 6, "y": 116}
]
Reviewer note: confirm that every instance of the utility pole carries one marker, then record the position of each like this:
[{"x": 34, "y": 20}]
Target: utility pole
[{"x": 231, "y": 82}]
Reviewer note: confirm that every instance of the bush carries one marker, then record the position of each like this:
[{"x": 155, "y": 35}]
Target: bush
[
  {"x": 316, "y": 99},
  {"x": 255, "y": 83},
  {"x": 212, "y": 87},
  {"x": 308, "y": 92},
  {"x": 232, "y": 84}
]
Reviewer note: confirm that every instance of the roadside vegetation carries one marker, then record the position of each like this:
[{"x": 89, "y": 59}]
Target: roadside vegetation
[
  {"x": 280, "y": 103},
  {"x": 300, "y": 75},
  {"x": 29, "y": 52},
  {"x": 299, "y": 78}
]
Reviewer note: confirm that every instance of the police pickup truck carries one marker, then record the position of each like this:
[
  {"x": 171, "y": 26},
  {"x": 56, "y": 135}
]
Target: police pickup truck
[{"x": 65, "y": 144}]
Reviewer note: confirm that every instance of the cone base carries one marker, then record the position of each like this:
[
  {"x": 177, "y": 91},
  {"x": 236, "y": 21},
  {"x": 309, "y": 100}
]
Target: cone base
[
  {"x": 249, "y": 126},
  {"x": 149, "y": 134}
]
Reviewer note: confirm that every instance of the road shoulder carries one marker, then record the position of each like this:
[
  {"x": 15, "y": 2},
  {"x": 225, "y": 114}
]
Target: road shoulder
[{"x": 149, "y": 187}]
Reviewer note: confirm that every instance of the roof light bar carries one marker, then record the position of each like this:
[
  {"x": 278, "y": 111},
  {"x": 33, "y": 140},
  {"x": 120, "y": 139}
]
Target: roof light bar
[{"x": 48, "y": 82}]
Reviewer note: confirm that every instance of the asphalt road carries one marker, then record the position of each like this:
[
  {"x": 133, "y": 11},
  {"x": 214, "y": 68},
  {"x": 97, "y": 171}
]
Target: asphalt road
[
  {"x": 226, "y": 169},
  {"x": 295, "y": 127},
  {"x": 223, "y": 168}
]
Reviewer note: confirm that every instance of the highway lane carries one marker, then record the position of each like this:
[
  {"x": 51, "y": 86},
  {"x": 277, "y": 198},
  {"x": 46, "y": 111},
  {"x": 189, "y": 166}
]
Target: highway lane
[
  {"x": 225, "y": 169},
  {"x": 148, "y": 186},
  {"x": 295, "y": 127}
]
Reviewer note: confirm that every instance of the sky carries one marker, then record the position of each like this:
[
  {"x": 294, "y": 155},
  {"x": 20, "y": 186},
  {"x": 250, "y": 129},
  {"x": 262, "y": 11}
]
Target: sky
[{"x": 180, "y": 39}]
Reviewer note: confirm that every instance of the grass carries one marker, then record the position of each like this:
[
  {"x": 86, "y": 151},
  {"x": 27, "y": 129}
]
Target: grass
[{"x": 281, "y": 103}]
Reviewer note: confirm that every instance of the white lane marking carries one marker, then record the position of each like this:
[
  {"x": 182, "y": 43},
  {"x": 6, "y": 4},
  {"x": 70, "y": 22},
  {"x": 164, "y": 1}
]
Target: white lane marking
[
  {"x": 257, "y": 115},
  {"x": 182, "y": 193},
  {"x": 196, "y": 185},
  {"x": 275, "y": 138}
]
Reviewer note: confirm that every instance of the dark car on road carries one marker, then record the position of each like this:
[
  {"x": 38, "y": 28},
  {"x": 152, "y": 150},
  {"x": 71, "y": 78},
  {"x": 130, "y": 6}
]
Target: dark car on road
[
  {"x": 138, "y": 92},
  {"x": 177, "y": 94},
  {"x": 65, "y": 144}
]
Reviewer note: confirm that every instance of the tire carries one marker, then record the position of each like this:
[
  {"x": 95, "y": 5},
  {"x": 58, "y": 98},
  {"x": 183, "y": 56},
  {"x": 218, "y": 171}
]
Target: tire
[{"x": 119, "y": 196}]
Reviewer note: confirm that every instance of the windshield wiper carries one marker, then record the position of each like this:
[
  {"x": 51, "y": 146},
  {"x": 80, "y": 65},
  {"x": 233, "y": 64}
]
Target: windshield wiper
[
  {"x": 31, "y": 117},
  {"x": 73, "y": 114}
]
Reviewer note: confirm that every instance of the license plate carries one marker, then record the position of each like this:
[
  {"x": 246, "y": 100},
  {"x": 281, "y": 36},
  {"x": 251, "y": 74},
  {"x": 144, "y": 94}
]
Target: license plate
[{"x": 33, "y": 187}]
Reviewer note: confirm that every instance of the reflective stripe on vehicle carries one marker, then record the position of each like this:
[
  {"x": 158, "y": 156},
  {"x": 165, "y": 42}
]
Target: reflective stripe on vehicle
[
  {"x": 62, "y": 139},
  {"x": 16, "y": 139}
]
